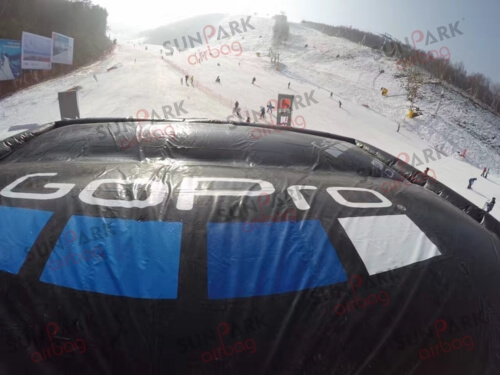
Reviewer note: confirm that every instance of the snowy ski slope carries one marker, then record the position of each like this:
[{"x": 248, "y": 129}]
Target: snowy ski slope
[{"x": 144, "y": 82}]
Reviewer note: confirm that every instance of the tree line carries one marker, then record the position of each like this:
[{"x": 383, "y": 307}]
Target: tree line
[
  {"x": 81, "y": 20},
  {"x": 478, "y": 86}
]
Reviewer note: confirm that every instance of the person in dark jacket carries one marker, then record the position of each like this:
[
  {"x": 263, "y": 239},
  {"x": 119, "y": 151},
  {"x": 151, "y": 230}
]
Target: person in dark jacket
[
  {"x": 471, "y": 181},
  {"x": 489, "y": 205},
  {"x": 484, "y": 171},
  {"x": 253, "y": 80},
  {"x": 426, "y": 171}
]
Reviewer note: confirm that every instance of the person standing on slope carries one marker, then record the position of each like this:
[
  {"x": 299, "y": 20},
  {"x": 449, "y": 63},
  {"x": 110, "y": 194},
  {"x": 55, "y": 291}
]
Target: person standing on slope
[
  {"x": 331, "y": 94},
  {"x": 262, "y": 112},
  {"x": 486, "y": 174},
  {"x": 186, "y": 76},
  {"x": 270, "y": 108},
  {"x": 340, "y": 104},
  {"x": 192, "y": 79},
  {"x": 248, "y": 119},
  {"x": 288, "y": 84},
  {"x": 484, "y": 171},
  {"x": 489, "y": 205},
  {"x": 426, "y": 171},
  {"x": 253, "y": 80},
  {"x": 471, "y": 181}
]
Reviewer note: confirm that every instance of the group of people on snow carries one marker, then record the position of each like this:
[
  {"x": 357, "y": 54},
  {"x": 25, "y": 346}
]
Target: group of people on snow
[{"x": 488, "y": 206}]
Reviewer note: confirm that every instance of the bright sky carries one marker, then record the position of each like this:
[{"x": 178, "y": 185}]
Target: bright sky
[{"x": 478, "y": 20}]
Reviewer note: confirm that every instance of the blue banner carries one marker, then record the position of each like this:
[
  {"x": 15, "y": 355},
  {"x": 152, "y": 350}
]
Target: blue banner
[{"x": 10, "y": 59}]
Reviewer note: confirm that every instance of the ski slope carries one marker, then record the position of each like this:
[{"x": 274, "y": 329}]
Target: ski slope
[{"x": 143, "y": 82}]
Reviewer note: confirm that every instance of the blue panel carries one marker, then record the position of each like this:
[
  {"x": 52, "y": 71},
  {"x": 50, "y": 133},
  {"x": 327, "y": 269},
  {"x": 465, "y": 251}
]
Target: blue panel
[
  {"x": 19, "y": 229},
  {"x": 117, "y": 257},
  {"x": 269, "y": 258}
]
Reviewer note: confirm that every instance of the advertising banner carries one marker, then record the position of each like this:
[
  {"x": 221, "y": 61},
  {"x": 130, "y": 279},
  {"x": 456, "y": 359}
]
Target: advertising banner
[
  {"x": 62, "y": 49},
  {"x": 10, "y": 59},
  {"x": 36, "y": 52},
  {"x": 285, "y": 103}
]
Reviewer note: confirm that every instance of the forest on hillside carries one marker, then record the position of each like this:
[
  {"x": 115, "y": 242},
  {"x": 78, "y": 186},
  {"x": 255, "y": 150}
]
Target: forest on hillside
[
  {"x": 479, "y": 87},
  {"x": 81, "y": 20}
]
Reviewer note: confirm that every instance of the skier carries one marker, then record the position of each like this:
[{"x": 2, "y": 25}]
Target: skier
[
  {"x": 486, "y": 175},
  {"x": 253, "y": 80},
  {"x": 236, "y": 104},
  {"x": 399, "y": 125},
  {"x": 217, "y": 80},
  {"x": 484, "y": 171},
  {"x": 426, "y": 171},
  {"x": 331, "y": 94},
  {"x": 262, "y": 112},
  {"x": 288, "y": 84},
  {"x": 270, "y": 108},
  {"x": 192, "y": 79},
  {"x": 489, "y": 205},
  {"x": 471, "y": 181},
  {"x": 248, "y": 119},
  {"x": 340, "y": 104}
]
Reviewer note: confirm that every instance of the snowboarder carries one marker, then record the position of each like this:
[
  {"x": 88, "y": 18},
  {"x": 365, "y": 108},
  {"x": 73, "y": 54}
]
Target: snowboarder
[
  {"x": 270, "y": 108},
  {"x": 248, "y": 119},
  {"x": 426, "y": 171},
  {"x": 486, "y": 174},
  {"x": 471, "y": 181},
  {"x": 484, "y": 171},
  {"x": 288, "y": 84},
  {"x": 262, "y": 112},
  {"x": 489, "y": 205},
  {"x": 253, "y": 80},
  {"x": 340, "y": 104}
]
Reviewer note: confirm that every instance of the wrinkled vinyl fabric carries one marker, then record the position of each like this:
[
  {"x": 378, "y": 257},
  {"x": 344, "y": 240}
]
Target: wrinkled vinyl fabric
[{"x": 203, "y": 249}]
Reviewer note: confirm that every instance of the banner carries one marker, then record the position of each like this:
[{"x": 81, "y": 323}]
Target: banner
[
  {"x": 36, "y": 52},
  {"x": 62, "y": 49},
  {"x": 285, "y": 109},
  {"x": 10, "y": 59}
]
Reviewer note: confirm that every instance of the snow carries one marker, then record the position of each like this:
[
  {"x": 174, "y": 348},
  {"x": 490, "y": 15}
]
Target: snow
[{"x": 151, "y": 83}]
